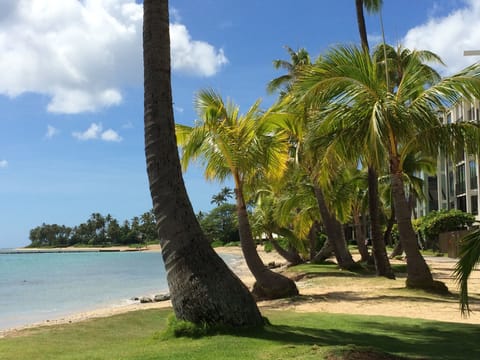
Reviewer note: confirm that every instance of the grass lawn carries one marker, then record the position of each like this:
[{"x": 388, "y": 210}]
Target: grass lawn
[{"x": 290, "y": 336}]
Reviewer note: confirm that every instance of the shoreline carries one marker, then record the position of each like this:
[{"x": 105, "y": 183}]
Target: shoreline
[
  {"x": 378, "y": 298},
  {"x": 73, "y": 249},
  {"x": 239, "y": 268}
]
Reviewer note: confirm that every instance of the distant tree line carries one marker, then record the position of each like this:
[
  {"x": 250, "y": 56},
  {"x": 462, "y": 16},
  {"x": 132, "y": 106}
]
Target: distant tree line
[
  {"x": 98, "y": 230},
  {"x": 220, "y": 225}
]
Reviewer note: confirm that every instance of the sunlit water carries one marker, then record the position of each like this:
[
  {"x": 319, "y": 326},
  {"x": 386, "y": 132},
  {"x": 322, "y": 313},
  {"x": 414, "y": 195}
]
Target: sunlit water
[{"x": 38, "y": 287}]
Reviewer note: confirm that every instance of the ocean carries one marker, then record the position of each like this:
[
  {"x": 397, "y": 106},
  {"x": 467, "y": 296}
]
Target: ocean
[{"x": 44, "y": 286}]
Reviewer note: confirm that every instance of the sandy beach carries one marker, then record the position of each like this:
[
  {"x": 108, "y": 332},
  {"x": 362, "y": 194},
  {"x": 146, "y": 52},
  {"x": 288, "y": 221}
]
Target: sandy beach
[{"x": 370, "y": 296}]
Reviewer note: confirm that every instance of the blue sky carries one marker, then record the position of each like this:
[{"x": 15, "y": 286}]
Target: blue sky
[{"x": 71, "y": 95}]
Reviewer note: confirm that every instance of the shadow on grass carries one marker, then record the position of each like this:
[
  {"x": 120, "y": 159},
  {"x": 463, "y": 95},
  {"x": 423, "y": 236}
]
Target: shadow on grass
[
  {"x": 359, "y": 296},
  {"x": 426, "y": 339}
]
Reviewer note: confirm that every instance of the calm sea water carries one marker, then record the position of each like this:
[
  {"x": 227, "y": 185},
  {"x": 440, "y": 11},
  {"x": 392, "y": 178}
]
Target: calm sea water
[{"x": 38, "y": 287}]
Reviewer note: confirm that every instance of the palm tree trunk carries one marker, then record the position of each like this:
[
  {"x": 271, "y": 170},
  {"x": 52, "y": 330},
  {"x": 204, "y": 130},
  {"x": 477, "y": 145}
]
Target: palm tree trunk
[
  {"x": 360, "y": 238},
  {"x": 379, "y": 250},
  {"x": 269, "y": 284},
  {"x": 362, "y": 29},
  {"x": 291, "y": 256},
  {"x": 387, "y": 235},
  {"x": 324, "y": 253},
  {"x": 334, "y": 232},
  {"x": 397, "y": 250},
  {"x": 418, "y": 273},
  {"x": 312, "y": 239},
  {"x": 202, "y": 288}
]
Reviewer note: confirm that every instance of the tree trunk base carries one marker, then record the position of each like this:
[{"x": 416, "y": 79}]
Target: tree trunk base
[
  {"x": 324, "y": 253},
  {"x": 436, "y": 287},
  {"x": 277, "y": 287},
  {"x": 397, "y": 250}
]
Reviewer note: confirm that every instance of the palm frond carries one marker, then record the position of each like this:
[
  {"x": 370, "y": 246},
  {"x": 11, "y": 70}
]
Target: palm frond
[{"x": 469, "y": 257}]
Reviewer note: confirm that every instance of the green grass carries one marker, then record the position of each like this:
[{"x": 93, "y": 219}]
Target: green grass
[
  {"x": 290, "y": 336},
  {"x": 332, "y": 269},
  {"x": 325, "y": 269}
]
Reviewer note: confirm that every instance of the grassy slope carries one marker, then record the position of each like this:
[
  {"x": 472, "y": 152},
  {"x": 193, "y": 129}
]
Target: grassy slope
[{"x": 291, "y": 336}]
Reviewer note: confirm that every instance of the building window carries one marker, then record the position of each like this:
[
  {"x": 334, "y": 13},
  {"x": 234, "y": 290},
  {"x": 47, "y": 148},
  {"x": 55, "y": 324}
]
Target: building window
[
  {"x": 432, "y": 193},
  {"x": 449, "y": 118},
  {"x": 451, "y": 189},
  {"x": 460, "y": 184},
  {"x": 473, "y": 174},
  {"x": 462, "y": 203},
  {"x": 443, "y": 184},
  {"x": 474, "y": 200}
]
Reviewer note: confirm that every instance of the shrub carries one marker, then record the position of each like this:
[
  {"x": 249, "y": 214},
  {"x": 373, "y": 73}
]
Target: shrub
[{"x": 436, "y": 222}]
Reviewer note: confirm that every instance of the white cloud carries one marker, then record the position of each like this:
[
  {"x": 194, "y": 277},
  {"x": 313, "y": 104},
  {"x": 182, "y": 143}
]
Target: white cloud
[
  {"x": 91, "y": 133},
  {"x": 111, "y": 135},
  {"x": 194, "y": 57},
  {"x": 449, "y": 36},
  {"x": 178, "y": 109},
  {"x": 95, "y": 132},
  {"x": 81, "y": 53},
  {"x": 51, "y": 132},
  {"x": 3, "y": 164}
]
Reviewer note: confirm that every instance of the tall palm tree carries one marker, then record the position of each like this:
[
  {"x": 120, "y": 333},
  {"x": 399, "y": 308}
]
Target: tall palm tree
[
  {"x": 379, "y": 251},
  {"x": 296, "y": 124},
  {"x": 202, "y": 288},
  {"x": 367, "y": 116},
  {"x": 372, "y": 6},
  {"x": 240, "y": 146}
]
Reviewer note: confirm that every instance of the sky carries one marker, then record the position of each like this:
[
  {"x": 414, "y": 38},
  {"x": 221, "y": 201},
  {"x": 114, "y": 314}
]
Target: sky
[{"x": 71, "y": 87}]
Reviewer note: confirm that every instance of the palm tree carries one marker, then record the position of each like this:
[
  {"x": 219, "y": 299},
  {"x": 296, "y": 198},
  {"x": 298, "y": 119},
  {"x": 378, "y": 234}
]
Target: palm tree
[
  {"x": 202, "y": 288},
  {"x": 222, "y": 197},
  {"x": 296, "y": 119},
  {"x": 469, "y": 258},
  {"x": 264, "y": 222},
  {"x": 372, "y": 6},
  {"x": 296, "y": 124},
  {"x": 367, "y": 116},
  {"x": 297, "y": 60},
  {"x": 240, "y": 146},
  {"x": 379, "y": 251}
]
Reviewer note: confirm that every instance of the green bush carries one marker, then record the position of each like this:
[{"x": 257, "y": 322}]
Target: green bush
[{"x": 436, "y": 222}]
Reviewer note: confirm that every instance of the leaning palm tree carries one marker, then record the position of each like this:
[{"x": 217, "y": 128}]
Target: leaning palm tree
[
  {"x": 202, "y": 288},
  {"x": 241, "y": 147},
  {"x": 366, "y": 116},
  {"x": 265, "y": 223}
]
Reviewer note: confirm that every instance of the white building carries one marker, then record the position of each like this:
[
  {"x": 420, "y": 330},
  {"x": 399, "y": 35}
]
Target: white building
[{"x": 456, "y": 183}]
